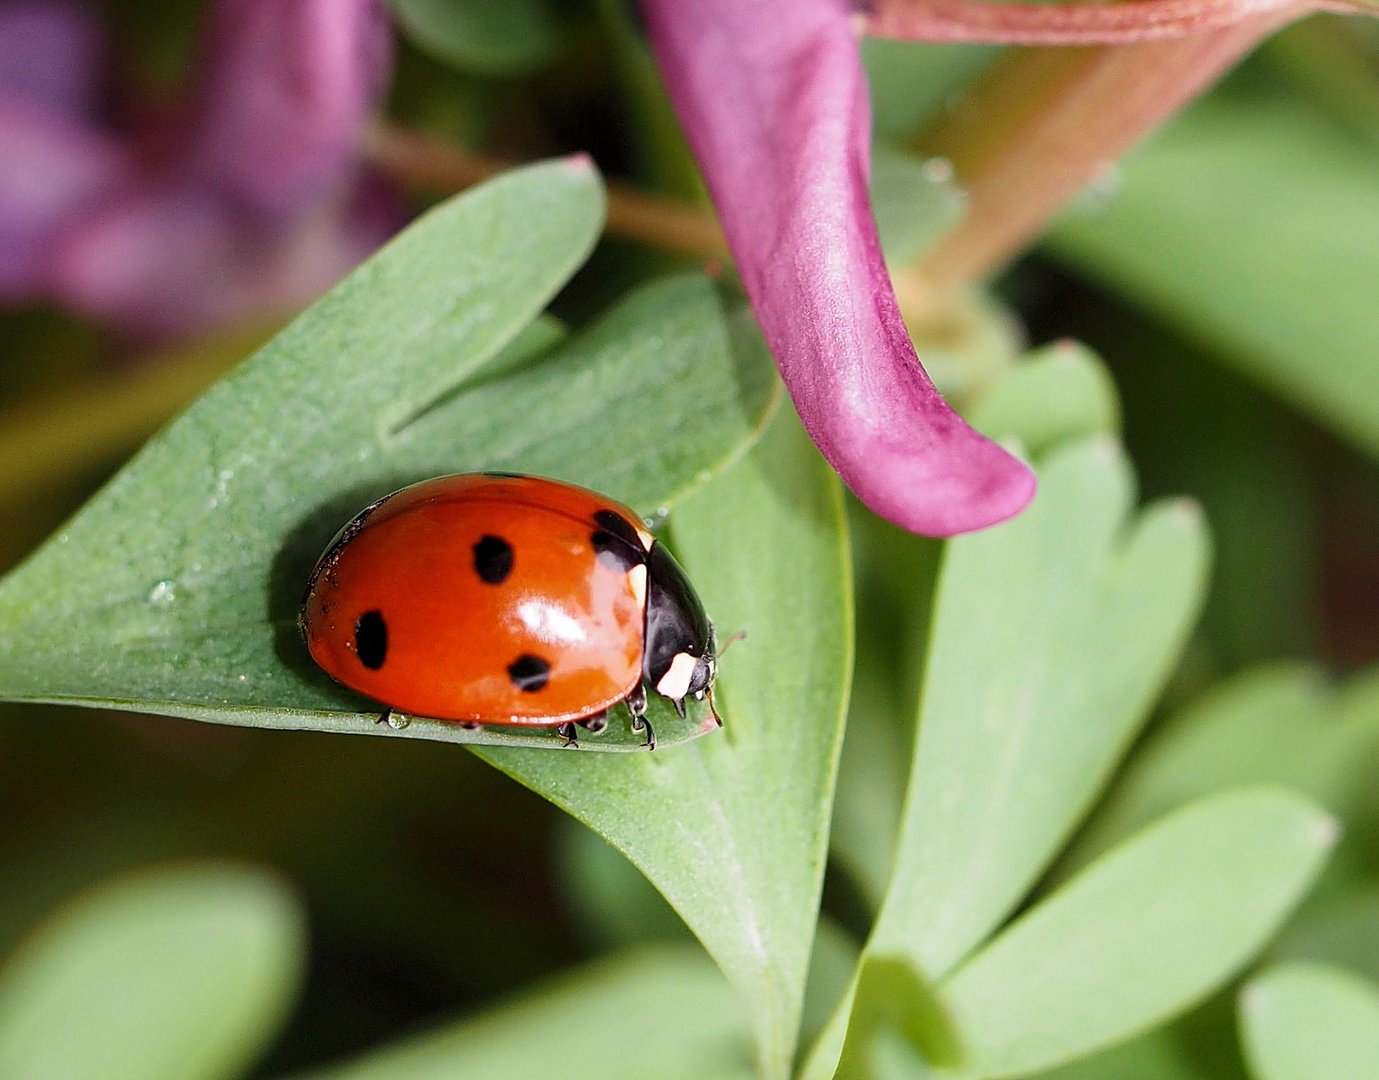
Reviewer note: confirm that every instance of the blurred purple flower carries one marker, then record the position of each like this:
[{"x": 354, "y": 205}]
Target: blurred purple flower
[
  {"x": 288, "y": 88},
  {"x": 773, "y": 99},
  {"x": 250, "y": 203}
]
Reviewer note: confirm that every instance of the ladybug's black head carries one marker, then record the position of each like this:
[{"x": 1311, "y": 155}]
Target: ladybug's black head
[{"x": 679, "y": 660}]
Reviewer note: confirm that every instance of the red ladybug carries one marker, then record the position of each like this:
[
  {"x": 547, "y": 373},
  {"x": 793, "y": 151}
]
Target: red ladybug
[{"x": 494, "y": 598}]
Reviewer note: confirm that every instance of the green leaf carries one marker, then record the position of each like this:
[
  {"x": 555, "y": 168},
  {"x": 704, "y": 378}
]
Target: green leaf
[
  {"x": 1141, "y": 934},
  {"x": 1277, "y": 724},
  {"x": 656, "y": 1014},
  {"x": 181, "y": 974},
  {"x": 1343, "y": 931},
  {"x": 1050, "y": 637},
  {"x": 1156, "y": 1055},
  {"x": 733, "y": 829},
  {"x": 176, "y": 589},
  {"x": 891, "y": 995},
  {"x": 895, "y": 573},
  {"x": 1310, "y": 1022},
  {"x": 1057, "y": 394},
  {"x": 483, "y": 37},
  {"x": 1205, "y": 229}
]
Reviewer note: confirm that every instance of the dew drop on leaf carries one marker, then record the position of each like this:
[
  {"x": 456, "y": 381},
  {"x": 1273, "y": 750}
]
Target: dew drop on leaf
[{"x": 163, "y": 593}]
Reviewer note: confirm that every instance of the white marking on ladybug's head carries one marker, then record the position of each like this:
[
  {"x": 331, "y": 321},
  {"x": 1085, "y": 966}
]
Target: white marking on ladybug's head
[
  {"x": 646, "y": 538},
  {"x": 637, "y": 577},
  {"x": 675, "y": 682}
]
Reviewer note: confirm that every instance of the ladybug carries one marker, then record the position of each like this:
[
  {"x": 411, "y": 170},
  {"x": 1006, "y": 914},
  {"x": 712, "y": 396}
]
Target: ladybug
[{"x": 499, "y": 598}]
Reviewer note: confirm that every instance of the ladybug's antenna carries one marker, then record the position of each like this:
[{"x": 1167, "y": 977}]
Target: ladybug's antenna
[{"x": 740, "y": 635}]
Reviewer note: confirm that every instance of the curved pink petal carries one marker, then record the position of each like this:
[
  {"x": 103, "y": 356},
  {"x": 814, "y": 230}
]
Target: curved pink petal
[
  {"x": 773, "y": 98},
  {"x": 287, "y": 88}
]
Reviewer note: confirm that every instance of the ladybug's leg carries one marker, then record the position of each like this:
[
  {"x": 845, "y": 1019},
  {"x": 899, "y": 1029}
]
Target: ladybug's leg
[
  {"x": 636, "y": 704},
  {"x": 679, "y": 704},
  {"x": 716, "y": 718},
  {"x": 594, "y": 724},
  {"x": 567, "y": 732}
]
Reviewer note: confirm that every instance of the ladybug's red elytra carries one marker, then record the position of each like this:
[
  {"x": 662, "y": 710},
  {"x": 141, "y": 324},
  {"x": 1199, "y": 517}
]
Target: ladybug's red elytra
[{"x": 495, "y": 598}]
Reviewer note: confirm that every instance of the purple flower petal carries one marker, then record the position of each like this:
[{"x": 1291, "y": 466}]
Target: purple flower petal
[
  {"x": 52, "y": 161},
  {"x": 51, "y": 56},
  {"x": 252, "y": 207},
  {"x": 287, "y": 89},
  {"x": 162, "y": 261},
  {"x": 773, "y": 98},
  {"x": 50, "y": 170}
]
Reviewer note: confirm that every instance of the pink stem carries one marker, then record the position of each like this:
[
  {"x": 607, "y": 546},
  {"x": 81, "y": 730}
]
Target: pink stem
[
  {"x": 1002, "y": 23},
  {"x": 1042, "y": 123}
]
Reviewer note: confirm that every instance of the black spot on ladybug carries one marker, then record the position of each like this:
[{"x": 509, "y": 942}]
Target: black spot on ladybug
[
  {"x": 615, "y": 553},
  {"x": 493, "y": 559},
  {"x": 529, "y": 673},
  {"x": 620, "y": 527},
  {"x": 506, "y": 475},
  {"x": 371, "y": 640}
]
